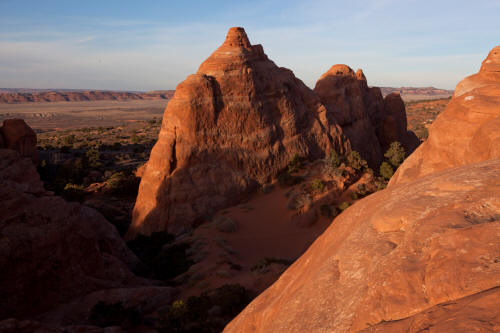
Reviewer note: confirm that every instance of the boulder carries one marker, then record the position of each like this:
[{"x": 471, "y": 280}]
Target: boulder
[
  {"x": 467, "y": 131},
  {"x": 231, "y": 127},
  {"x": 17, "y": 135}
]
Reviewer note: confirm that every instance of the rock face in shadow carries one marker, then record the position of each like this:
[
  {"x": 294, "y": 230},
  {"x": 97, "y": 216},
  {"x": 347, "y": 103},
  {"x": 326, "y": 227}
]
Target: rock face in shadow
[
  {"x": 15, "y": 134},
  {"x": 467, "y": 131},
  {"x": 53, "y": 252},
  {"x": 370, "y": 122},
  {"x": 233, "y": 125},
  {"x": 407, "y": 250}
]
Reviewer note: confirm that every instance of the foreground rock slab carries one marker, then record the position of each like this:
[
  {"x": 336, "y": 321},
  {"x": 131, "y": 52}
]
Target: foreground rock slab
[{"x": 397, "y": 253}]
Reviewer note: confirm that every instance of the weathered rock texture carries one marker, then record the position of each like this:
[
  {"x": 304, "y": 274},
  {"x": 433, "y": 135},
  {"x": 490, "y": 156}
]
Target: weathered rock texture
[
  {"x": 370, "y": 122},
  {"x": 231, "y": 126},
  {"x": 404, "y": 252},
  {"x": 467, "y": 131},
  {"x": 17, "y": 135},
  {"x": 52, "y": 251}
]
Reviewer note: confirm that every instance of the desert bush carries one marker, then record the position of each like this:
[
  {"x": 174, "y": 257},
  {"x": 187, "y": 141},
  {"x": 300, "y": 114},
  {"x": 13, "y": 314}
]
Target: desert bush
[
  {"x": 123, "y": 184},
  {"x": 295, "y": 163},
  {"x": 73, "y": 192},
  {"x": 355, "y": 161},
  {"x": 328, "y": 211},
  {"x": 209, "y": 312},
  {"x": 386, "y": 170},
  {"x": 395, "y": 154},
  {"x": 354, "y": 196},
  {"x": 93, "y": 158},
  {"x": 69, "y": 140},
  {"x": 225, "y": 224},
  {"x": 264, "y": 263},
  {"x": 333, "y": 159},
  {"x": 299, "y": 200},
  {"x": 286, "y": 179},
  {"x": 317, "y": 186},
  {"x": 343, "y": 206}
]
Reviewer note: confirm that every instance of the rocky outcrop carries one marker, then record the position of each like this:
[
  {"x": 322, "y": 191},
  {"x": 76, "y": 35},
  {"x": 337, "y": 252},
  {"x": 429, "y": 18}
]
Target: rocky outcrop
[
  {"x": 15, "y": 134},
  {"x": 400, "y": 253},
  {"x": 231, "y": 126},
  {"x": 370, "y": 122},
  {"x": 52, "y": 251},
  {"x": 468, "y": 131}
]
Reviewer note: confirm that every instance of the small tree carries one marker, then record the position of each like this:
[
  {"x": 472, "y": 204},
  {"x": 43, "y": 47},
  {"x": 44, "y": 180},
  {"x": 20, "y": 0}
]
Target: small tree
[
  {"x": 395, "y": 154},
  {"x": 334, "y": 159},
  {"x": 386, "y": 170},
  {"x": 355, "y": 161}
]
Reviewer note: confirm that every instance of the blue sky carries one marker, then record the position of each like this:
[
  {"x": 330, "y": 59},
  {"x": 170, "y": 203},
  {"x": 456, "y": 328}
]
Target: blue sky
[{"x": 146, "y": 45}]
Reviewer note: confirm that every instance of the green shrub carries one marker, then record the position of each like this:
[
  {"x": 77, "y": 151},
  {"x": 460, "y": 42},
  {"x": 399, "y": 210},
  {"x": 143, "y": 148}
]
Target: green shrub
[
  {"x": 69, "y": 140},
  {"x": 225, "y": 224},
  {"x": 354, "y": 196},
  {"x": 209, "y": 312},
  {"x": 123, "y": 184},
  {"x": 264, "y": 263},
  {"x": 328, "y": 211},
  {"x": 355, "y": 161},
  {"x": 295, "y": 164},
  {"x": 317, "y": 185},
  {"x": 395, "y": 154},
  {"x": 93, "y": 158},
  {"x": 73, "y": 192},
  {"x": 334, "y": 159},
  {"x": 343, "y": 206},
  {"x": 386, "y": 170},
  {"x": 286, "y": 179}
]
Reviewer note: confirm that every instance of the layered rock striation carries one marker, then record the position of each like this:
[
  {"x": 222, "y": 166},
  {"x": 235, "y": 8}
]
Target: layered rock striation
[
  {"x": 233, "y": 125},
  {"x": 467, "y": 131},
  {"x": 370, "y": 121}
]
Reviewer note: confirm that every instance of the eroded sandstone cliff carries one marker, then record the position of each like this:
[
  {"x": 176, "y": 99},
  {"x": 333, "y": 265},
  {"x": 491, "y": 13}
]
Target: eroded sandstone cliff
[{"x": 231, "y": 126}]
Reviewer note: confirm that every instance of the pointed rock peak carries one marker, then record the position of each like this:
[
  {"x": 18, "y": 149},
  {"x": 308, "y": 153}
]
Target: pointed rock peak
[
  {"x": 338, "y": 70},
  {"x": 237, "y": 36},
  {"x": 360, "y": 75},
  {"x": 492, "y": 61}
]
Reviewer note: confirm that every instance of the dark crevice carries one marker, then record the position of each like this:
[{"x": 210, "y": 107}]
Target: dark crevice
[{"x": 173, "y": 158}]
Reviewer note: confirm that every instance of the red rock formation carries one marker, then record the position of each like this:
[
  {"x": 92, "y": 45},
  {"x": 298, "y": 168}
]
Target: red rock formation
[
  {"x": 370, "y": 122},
  {"x": 17, "y": 135},
  {"x": 234, "y": 124},
  {"x": 52, "y": 251},
  {"x": 468, "y": 131},
  {"x": 404, "y": 251}
]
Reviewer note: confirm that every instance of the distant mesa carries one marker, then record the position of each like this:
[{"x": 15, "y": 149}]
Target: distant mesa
[
  {"x": 14, "y": 96},
  {"x": 417, "y": 93},
  {"x": 230, "y": 127}
]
